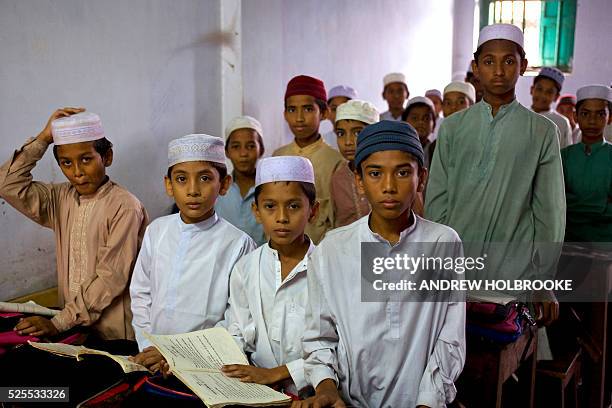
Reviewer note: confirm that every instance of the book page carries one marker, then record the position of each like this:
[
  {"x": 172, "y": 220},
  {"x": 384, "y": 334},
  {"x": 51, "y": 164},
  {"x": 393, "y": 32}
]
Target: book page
[
  {"x": 217, "y": 390},
  {"x": 205, "y": 350},
  {"x": 28, "y": 307}
]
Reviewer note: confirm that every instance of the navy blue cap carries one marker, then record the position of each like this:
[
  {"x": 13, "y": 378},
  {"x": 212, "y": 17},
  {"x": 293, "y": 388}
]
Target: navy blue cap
[{"x": 388, "y": 135}]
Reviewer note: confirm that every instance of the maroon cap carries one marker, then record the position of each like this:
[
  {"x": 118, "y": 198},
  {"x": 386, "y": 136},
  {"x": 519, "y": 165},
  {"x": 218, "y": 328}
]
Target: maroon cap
[
  {"x": 567, "y": 99},
  {"x": 306, "y": 85}
]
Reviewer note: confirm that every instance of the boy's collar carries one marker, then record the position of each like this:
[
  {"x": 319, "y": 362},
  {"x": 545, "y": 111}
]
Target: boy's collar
[
  {"x": 313, "y": 146},
  {"x": 403, "y": 234},
  {"x": 198, "y": 226},
  {"x": 100, "y": 192},
  {"x": 502, "y": 109}
]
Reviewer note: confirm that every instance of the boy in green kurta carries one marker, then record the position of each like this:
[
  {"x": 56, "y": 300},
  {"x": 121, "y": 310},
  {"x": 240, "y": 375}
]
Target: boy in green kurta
[
  {"x": 496, "y": 174},
  {"x": 587, "y": 168}
]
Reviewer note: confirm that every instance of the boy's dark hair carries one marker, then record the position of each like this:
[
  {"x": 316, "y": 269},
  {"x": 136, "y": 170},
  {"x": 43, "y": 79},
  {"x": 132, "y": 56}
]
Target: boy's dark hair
[
  {"x": 320, "y": 103},
  {"x": 580, "y": 103},
  {"x": 101, "y": 146},
  {"x": 520, "y": 50},
  {"x": 307, "y": 188},
  {"x": 221, "y": 169},
  {"x": 538, "y": 78},
  {"x": 262, "y": 149},
  {"x": 406, "y": 111}
]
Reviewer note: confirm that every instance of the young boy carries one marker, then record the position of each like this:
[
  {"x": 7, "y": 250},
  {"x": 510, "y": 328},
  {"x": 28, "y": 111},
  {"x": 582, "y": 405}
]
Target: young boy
[
  {"x": 395, "y": 92},
  {"x": 349, "y": 203},
  {"x": 98, "y": 225},
  {"x": 496, "y": 174},
  {"x": 181, "y": 277},
  {"x": 268, "y": 293},
  {"x": 337, "y": 96},
  {"x": 458, "y": 96},
  {"x": 436, "y": 97},
  {"x": 243, "y": 146},
  {"x": 475, "y": 82},
  {"x": 566, "y": 106},
  {"x": 421, "y": 114},
  {"x": 587, "y": 168},
  {"x": 305, "y": 107},
  {"x": 545, "y": 91},
  {"x": 381, "y": 353}
]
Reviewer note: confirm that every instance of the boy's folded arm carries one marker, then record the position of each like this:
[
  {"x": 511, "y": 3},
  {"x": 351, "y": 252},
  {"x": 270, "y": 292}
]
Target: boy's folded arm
[
  {"x": 112, "y": 273},
  {"x": 32, "y": 198}
]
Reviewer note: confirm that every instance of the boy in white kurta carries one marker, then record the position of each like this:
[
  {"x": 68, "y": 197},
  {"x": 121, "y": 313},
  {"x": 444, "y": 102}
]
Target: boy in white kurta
[
  {"x": 181, "y": 278},
  {"x": 268, "y": 293},
  {"x": 381, "y": 353}
]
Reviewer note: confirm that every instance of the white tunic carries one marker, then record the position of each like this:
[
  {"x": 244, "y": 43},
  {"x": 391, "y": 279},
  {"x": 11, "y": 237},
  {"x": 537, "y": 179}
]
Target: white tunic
[
  {"x": 181, "y": 278},
  {"x": 384, "y": 354},
  {"x": 389, "y": 116},
  {"x": 565, "y": 129},
  {"x": 266, "y": 314}
]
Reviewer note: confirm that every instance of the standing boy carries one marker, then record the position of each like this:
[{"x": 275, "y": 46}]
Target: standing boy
[
  {"x": 567, "y": 107},
  {"x": 545, "y": 91},
  {"x": 395, "y": 92},
  {"x": 496, "y": 174},
  {"x": 305, "y": 107},
  {"x": 420, "y": 113},
  {"x": 243, "y": 146},
  {"x": 458, "y": 96},
  {"x": 181, "y": 277},
  {"x": 381, "y": 353},
  {"x": 349, "y": 202},
  {"x": 337, "y": 96},
  {"x": 98, "y": 225},
  {"x": 587, "y": 168},
  {"x": 268, "y": 293}
]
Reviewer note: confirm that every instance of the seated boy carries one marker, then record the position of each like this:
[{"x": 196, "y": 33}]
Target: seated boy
[
  {"x": 181, "y": 277},
  {"x": 98, "y": 225},
  {"x": 305, "y": 108},
  {"x": 395, "y": 92},
  {"x": 350, "y": 204},
  {"x": 545, "y": 91},
  {"x": 567, "y": 107},
  {"x": 337, "y": 96},
  {"x": 268, "y": 293},
  {"x": 587, "y": 169},
  {"x": 381, "y": 353},
  {"x": 243, "y": 146},
  {"x": 458, "y": 96}
]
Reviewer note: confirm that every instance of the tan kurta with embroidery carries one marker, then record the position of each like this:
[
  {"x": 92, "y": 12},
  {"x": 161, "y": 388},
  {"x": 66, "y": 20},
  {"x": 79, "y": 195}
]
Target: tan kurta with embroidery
[
  {"x": 325, "y": 161},
  {"x": 97, "y": 241}
]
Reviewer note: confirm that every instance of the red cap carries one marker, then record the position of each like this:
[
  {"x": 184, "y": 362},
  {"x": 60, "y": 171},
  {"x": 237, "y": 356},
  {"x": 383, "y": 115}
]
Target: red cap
[
  {"x": 569, "y": 99},
  {"x": 306, "y": 85}
]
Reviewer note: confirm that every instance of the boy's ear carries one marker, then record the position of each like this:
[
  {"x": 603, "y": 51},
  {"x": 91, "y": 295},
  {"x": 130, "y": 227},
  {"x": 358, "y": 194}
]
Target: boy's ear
[
  {"x": 475, "y": 69},
  {"x": 524, "y": 64},
  {"x": 255, "y": 210},
  {"x": 225, "y": 184},
  {"x": 531, "y": 90},
  {"x": 423, "y": 174},
  {"x": 108, "y": 158},
  {"x": 383, "y": 95},
  {"x": 169, "y": 189},
  {"x": 359, "y": 181},
  {"x": 314, "y": 211}
]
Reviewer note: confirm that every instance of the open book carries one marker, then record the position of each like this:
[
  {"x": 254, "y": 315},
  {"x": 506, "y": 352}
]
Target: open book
[
  {"x": 196, "y": 359},
  {"x": 68, "y": 350}
]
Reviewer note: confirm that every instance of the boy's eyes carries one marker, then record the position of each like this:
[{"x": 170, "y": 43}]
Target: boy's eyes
[
  {"x": 509, "y": 61},
  {"x": 204, "y": 178},
  {"x": 180, "y": 179},
  {"x": 66, "y": 162},
  {"x": 340, "y": 133},
  {"x": 374, "y": 173}
]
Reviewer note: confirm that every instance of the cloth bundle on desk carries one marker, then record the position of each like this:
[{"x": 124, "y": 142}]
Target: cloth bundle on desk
[{"x": 499, "y": 323}]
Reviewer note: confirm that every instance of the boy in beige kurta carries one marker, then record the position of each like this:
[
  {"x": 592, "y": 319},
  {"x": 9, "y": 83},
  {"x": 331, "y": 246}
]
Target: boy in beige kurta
[{"x": 98, "y": 225}]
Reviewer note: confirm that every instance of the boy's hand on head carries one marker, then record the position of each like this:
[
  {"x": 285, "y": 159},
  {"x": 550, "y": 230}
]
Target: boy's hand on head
[
  {"x": 36, "y": 326},
  {"x": 45, "y": 135},
  {"x": 249, "y": 373},
  {"x": 150, "y": 357},
  {"x": 326, "y": 396}
]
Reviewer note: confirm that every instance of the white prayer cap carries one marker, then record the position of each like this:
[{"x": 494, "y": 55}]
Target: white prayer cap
[
  {"x": 508, "y": 32},
  {"x": 357, "y": 110},
  {"x": 421, "y": 99},
  {"x": 342, "y": 90},
  {"x": 196, "y": 147},
  {"x": 394, "y": 77},
  {"x": 78, "y": 128},
  {"x": 243, "y": 122},
  {"x": 284, "y": 168},
  {"x": 463, "y": 87},
  {"x": 594, "y": 92},
  {"x": 433, "y": 92},
  {"x": 553, "y": 73}
]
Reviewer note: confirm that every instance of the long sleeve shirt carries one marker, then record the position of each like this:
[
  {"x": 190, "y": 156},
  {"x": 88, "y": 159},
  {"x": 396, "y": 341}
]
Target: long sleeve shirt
[
  {"x": 97, "y": 241},
  {"x": 499, "y": 179},
  {"x": 266, "y": 313},
  {"x": 384, "y": 353},
  {"x": 325, "y": 160},
  {"x": 181, "y": 277}
]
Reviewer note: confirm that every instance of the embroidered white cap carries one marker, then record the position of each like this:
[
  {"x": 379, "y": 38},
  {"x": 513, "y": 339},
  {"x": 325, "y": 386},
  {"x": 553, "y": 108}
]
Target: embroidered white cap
[
  {"x": 243, "y": 122},
  {"x": 196, "y": 147},
  {"x": 77, "y": 128},
  {"x": 342, "y": 90},
  {"x": 421, "y": 99},
  {"x": 394, "y": 77},
  {"x": 433, "y": 92},
  {"x": 356, "y": 109},
  {"x": 508, "y": 32},
  {"x": 463, "y": 87},
  {"x": 594, "y": 92},
  {"x": 284, "y": 168}
]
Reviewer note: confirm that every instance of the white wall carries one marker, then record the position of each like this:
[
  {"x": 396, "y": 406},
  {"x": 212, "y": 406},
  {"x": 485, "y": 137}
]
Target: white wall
[
  {"x": 150, "y": 68},
  {"x": 352, "y": 42}
]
